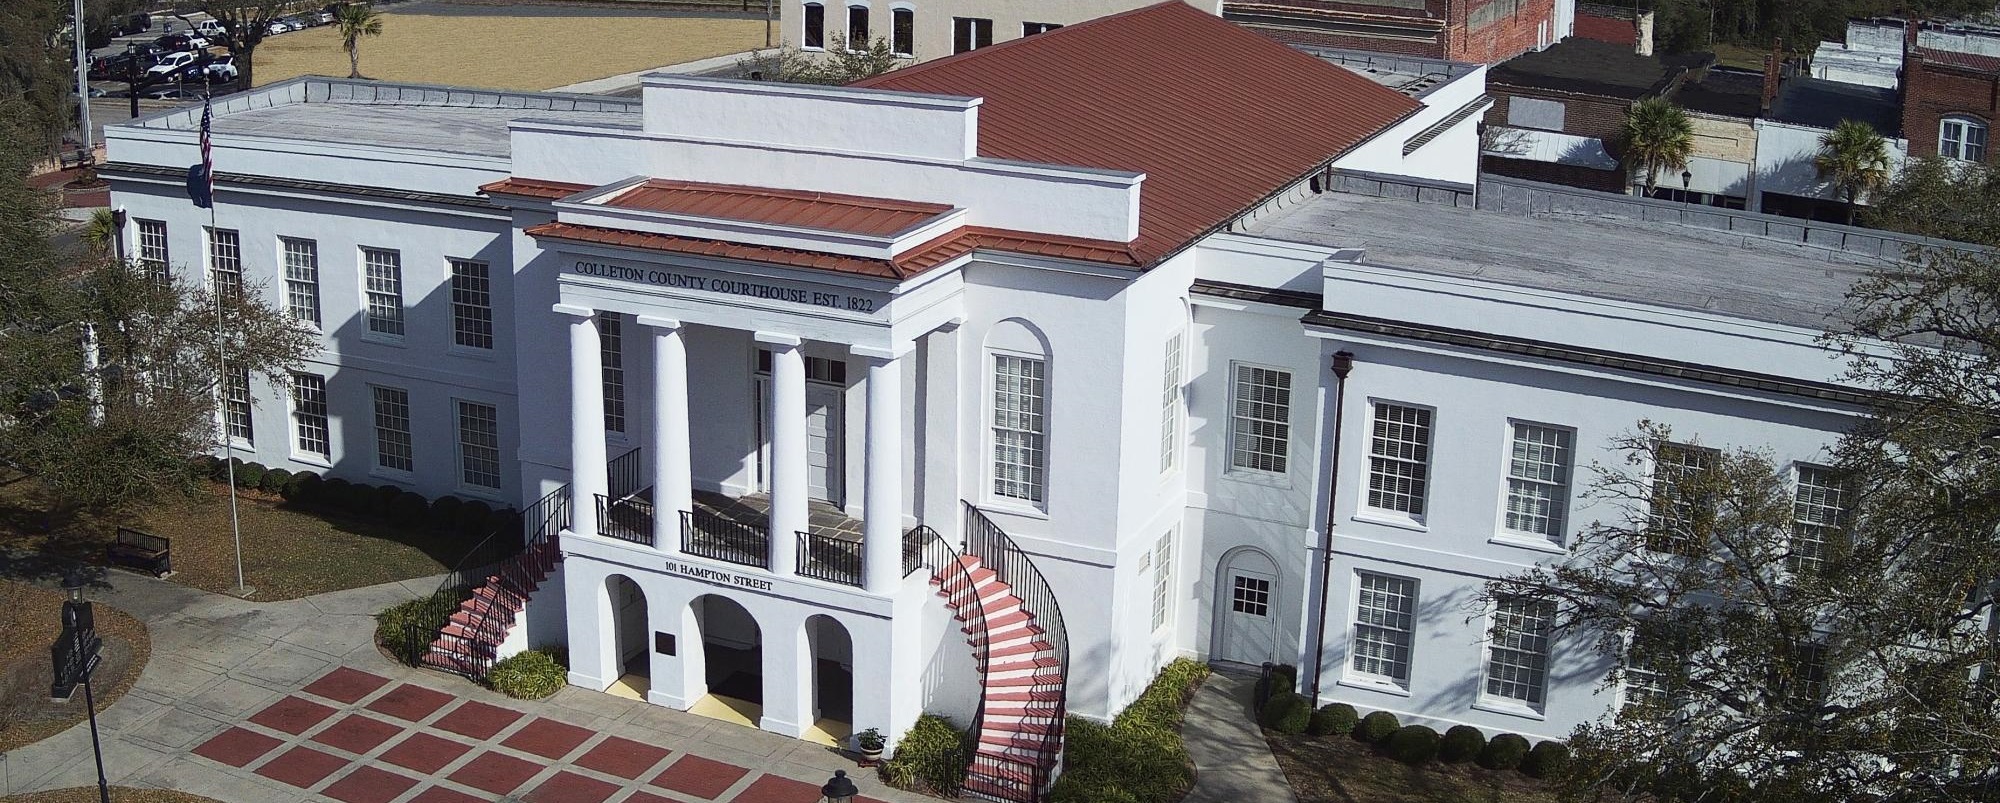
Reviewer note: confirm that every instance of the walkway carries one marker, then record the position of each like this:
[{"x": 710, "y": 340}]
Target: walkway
[
  {"x": 287, "y": 702},
  {"x": 1230, "y": 756}
]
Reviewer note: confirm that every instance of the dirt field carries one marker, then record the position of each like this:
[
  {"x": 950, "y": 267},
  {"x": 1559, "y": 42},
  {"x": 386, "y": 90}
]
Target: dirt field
[{"x": 508, "y": 52}]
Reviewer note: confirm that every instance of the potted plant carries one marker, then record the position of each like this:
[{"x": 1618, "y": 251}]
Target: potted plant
[{"x": 871, "y": 743}]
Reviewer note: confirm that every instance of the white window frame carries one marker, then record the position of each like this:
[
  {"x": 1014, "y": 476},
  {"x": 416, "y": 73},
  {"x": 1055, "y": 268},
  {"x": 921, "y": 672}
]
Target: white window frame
[
  {"x": 300, "y": 258},
  {"x": 1381, "y": 625},
  {"x": 151, "y": 244},
  {"x": 805, "y": 27},
  {"x": 1254, "y": 460},
  {"x": 972, "y": 25},
  {"x": 471, "y": 290},
  {"x": 238, "y": 400},
  {"x": 867, "y": 26},
  {"x": 1635, "y": 682},
  {"x": 1821, "y": 507},
  {"x": 1423, "y": 479},
  {"x": 1163, "y": 580},
  {"x": 1031, "y": 28},
  {"x": 386, "y": 434},
  {"x": 312, "y": 419},
  {"x": 385, "y": 320},
  {"x": 1037, "y": 489},
  {"x": 1955, "y": 138},
  {"x": 611, "y": 361},
  {"x": 459, "y": 410},
  {"x": 225, "y": 261},
  {"x": 1172, "y": 390},
  {"x": 1653, "y": 490},
  {"x": 896, "y": 12},
  {"x": 1561, "y": 486},
  {"x": 1537, "y": 701}
]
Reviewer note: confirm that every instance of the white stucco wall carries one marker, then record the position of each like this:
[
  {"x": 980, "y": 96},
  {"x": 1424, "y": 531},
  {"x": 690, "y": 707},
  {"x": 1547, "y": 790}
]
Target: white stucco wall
[{"x": 932, "y": 32}]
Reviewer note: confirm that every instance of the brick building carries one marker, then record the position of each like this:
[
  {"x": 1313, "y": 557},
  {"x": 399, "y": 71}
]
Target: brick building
[
  {"x": 1557, "y": 113},
  {"x": 1950, "y": 101},
  {"x": 1479, "y": 31}
]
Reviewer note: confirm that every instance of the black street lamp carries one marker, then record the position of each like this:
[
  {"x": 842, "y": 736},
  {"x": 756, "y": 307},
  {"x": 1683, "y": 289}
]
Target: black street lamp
[
  {"x": 75, "y": 656},
  {"x": 839, "y": 790}
]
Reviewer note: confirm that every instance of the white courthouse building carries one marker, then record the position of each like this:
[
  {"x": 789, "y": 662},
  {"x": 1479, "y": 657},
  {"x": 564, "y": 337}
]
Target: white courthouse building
[{"x": 1053, "y": 323}]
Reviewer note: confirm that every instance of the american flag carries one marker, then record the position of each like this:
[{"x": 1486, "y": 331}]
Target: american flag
[{"x": 207, "y": 160}]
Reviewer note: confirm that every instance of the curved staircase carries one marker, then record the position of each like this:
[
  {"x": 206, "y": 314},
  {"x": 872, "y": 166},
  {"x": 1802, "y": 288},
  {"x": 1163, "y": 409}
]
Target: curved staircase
[{"x": 471, "y": 639}]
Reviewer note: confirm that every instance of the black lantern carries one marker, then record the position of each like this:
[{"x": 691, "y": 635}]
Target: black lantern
[
  {"x": 839, "y": 790},
  {"x": 1687, "y": 179}
]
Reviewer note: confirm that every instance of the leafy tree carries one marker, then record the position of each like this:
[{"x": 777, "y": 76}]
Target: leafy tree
[
  {"x": 244, "y": 23},
  {"x": 1657, "y": 136},
  {"x": 1943, "y": 198},
  {"x": 837, "y": 65},
  {"x": 356, "y": 21},
  {"x": 1855, "y": 160},
  {"x": 37, "y": 91}
]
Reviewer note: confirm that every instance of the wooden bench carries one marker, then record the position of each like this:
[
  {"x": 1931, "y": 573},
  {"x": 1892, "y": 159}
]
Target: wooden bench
[{"x": 143, "y": 551}]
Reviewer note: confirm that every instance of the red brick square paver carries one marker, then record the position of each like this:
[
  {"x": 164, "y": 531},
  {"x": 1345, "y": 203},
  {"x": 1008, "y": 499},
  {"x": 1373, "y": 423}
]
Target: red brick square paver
[
  {"x": 439, "y": 794},
  {"x": 496, "y": 773},
  {"x": 357, "y": 734},
  {"x": 410, "y": 702},
  {"x": 700, "y": 776},
  {"x": 369, "y": 785},
  {"x": 346, "y": 685},
  {"x": 622, "y": 757},
  {"x": 548, "y": 738},
  {"x": 293, "y": 715},
  {"x": 648, "y": 797},
  {"x": 773, "y": 789},
  {"x": 478, "y": 720},
  {"x": 424, "y": 753},
  {"x": 302, "y": 767},
  {"x": 236, "y": 747},
  {"x": 569, "y": 787}
]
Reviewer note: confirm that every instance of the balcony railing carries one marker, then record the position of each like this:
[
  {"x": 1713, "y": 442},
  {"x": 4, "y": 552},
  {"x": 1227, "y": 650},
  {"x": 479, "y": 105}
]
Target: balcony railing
[
  {"x": 829, "y": 558},
  {"x": 628, "y": 519},
  {"x": 707, "y": 535}
]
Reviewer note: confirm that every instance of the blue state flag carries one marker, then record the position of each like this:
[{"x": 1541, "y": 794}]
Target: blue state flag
[{"x": 198, "y": 187}]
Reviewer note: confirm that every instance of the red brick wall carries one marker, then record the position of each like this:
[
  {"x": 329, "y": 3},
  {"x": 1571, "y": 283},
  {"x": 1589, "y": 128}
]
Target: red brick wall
[
  {"x": 1507, "y": 36},
  {"x": 1932, "y": 92},
  {"x": 1551, "y": 173},
  {"x": 1432, "y": 48},
  {"x": 1606, "y": 29},
  {"x": 1583, "y": 115}
]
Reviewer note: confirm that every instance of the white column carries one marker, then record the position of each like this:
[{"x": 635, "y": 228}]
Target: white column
[
  {"x": 788, "y": 448},
  {"x": 882, "y": 502},
  {"x": 673, "y": 471},
  {"x": 589, "y": 476}
]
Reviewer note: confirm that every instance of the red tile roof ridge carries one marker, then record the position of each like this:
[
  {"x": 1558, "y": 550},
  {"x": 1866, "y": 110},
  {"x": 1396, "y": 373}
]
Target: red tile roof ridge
[
  {"x": 532, "y": 187},
  {"x": 837, "y": 263},
  {"x": 812, "y": 196},
  {"x": 1961, "y": 59}
]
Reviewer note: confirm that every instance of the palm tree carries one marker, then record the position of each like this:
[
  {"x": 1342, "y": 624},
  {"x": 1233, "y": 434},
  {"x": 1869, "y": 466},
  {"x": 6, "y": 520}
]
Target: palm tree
[
  {"x": 356, "y": 21},
  {"x": 1658, "y": 136},
  {"x": 1855, "y": 160},
  {"x": 100, "y": 230}
]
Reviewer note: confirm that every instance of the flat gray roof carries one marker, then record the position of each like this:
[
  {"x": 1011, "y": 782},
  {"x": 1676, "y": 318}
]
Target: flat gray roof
[{"x": 1623, "y": 260}]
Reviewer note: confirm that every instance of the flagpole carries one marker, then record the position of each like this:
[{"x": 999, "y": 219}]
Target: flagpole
[{"x": 221, "y": 356}]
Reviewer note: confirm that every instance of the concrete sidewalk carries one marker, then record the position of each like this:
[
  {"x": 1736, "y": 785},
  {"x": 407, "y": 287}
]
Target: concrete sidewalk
[{"x": 1233, "y": 763}]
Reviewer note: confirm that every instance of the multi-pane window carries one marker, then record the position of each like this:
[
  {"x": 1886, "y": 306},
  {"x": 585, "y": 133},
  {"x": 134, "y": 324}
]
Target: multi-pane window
[
  {"x": 1538, "y": 480},
  {"x": 1399, "y": 458},
  {"x": 1807, "y": 683},
  {"x": 1517, "y": 650},
  {"x": 903, "y": 32},
  {"x": 236, "y": 402},
  {"x": 1032, "y": 28},
  {"x": 301, "y": 278},
  {"x": 1683, "y": 507},
  {"x": 153, "y": 249},
  {"x": 471, "y": 304},
  {"x": 970, "y": 33},
  {"x": 1645, "y": 683},
  {"x": 1163, "y": 578},
  {"x": 857, "y": 27},
  {"x": 1251, "y": 595},
  {"x": 1818, "y": 506},
  {"x": 309, "y": 415},
  {"x": 611, "y": 351},
  {"x": 815, "y": 23},
  {"x": 393, "y": 449},
  {"x": 1170, "y": 403},
  {"x": 384, "y": 270},
  {"x": 1384, "y": 626},
  {"x": 225, "y": 263},
  {"x": 1962, "y": 138},
  {"x": 478, "y": 445},
  {"x": 1020, "y": 451},
  {"x": 1260, "y": 428}
]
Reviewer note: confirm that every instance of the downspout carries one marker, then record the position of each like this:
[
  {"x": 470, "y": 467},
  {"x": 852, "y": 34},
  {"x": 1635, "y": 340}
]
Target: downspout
[{"x": 1343, "y": 362}]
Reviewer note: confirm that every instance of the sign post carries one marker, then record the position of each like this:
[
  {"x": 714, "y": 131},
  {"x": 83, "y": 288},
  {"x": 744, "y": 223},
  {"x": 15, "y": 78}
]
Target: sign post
[{"x": 74, "y": 658}]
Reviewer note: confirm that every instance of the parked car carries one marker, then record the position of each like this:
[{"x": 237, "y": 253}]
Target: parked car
[
  {"x": 211, "y": 29},
  {"x": 220, "y": 68},
  {"x": 181, "y": 42},
  {"x": 300, "y": 22},
  {"x": 171, "y": 65},
  {"x": 278, "y": 26},
  {"x": 137, "y": 23},
  {"x": 174, "y": 93}
]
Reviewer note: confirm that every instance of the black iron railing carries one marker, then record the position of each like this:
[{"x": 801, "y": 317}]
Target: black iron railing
[
  {"x": 913, "y": 547},
  {"x": 622, "y": 475},
  {"x": 953, "y": 578},
  {"x": 626, "y": 519},
  {"x": 708, "y": 535},
  {"x": 531, "y": 541},
  {"x": 997, "y": 552},
  {"x": 829, "y": 558}
]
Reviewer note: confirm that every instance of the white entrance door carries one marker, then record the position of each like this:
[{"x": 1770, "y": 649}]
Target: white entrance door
[
  {"x": 1248, "y": 616},
  {"x": 823, "y": 435}
]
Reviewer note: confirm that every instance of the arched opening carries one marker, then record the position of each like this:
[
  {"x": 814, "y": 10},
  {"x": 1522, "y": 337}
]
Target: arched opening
[
  {"x": 629, "y": 628},
  {"x": 1246, "y": 608},
  {"x": 732, "y": 648},
  {"x": 830, "y": 651}
]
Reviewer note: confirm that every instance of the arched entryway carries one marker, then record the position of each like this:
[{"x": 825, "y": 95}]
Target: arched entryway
[
  {"x": 830, "y": 653},
  {"x": 629, "y": 629},
  {"x": 1245, "y": 624},
  {"x": 732, "y": 648}
]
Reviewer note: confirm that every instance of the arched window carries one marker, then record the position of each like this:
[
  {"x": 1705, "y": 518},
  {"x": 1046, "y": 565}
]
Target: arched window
[
  {"x": 903, "y": 31},
  {"x": 1018, "y": 363},
  {"x": 815, "y": 32},
  {"x": 857, "y": 27},
  {"x": 1962, "y": 138}
]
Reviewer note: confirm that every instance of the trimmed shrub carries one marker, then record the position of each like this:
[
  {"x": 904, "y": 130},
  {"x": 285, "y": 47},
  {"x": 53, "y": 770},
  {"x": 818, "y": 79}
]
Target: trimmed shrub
[
  {"x": 505, "y": 520},
  {"x": 1284, "y": 678},
  {"x": 275, "y": 480},
  {"x": 531, "y": 675},
  {"x": 1137, "y": 765},
  {"x": 929, "y": 758},
  {"x": 218, "y": 468},
  {"x": 1287, "y": 713},
  {"x": 1160, "y": 705},
  {"x": 471, "y": 520},
  {"x": 427, "y": 614},
  {"x": 386, "y": 497},
  {"x": 1461, "y": 744},
  {"x": 333, "y": 494},
  {"x": 249, "y": 475},
  {"x": 1505, "y": 752},
  {"x": 360, "y": 500},
  {"x": 409, "y": 506},
  {"x": 1376, "y": 727},
  {"x": 1333, "y": 719},
  {"x": 444, "y": 511},
  {"x": 1412, "y": 744},
  {"x": 1547, "y": 760},
  {"x": 304, "y": 488}
]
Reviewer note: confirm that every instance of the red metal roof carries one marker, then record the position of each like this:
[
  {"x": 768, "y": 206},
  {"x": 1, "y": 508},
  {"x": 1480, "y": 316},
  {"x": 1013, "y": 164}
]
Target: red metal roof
[
  {"x": 1216, "y": 116},
  {"x": 533, "y": 188},
  {"x": 1965, "y": 61},
  {"x": 910, "y": 263},
  {"x": 855, "y": 214}
]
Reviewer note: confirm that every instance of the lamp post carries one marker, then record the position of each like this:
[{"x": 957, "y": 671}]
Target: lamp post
[
  {"x": 75, "y": 656},
  {"x": 839, "y": 789},
  {"x": 1687, "y": 184}
]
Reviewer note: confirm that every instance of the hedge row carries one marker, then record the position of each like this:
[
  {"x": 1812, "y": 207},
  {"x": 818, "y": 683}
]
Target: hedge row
[
  {"x": 307, "y": 490},
  {"x": 1139, "y": 757},
  {"x": 531, "y": 675},
  {"x": 1292, "y": 714},
  {"x": 931, "y": 758}
]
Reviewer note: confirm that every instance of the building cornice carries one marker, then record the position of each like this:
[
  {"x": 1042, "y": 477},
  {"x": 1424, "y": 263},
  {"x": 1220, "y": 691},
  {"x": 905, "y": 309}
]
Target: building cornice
[{"x": 142, "y": 172}]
